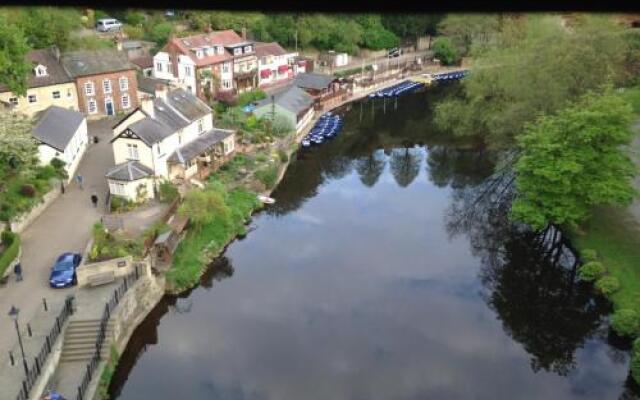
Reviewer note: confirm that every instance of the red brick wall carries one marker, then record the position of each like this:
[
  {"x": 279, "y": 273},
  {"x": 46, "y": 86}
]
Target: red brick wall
[{"x": 116, "y": 94}]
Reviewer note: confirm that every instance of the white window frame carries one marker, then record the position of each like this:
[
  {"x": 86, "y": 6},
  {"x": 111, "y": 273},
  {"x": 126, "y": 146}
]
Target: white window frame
[
  {"x": 118, "y": 188},
  {"x": 159, "y": 66},
  {"x": 125, "y": 104},
  {"x": 89, "y": 88},
  {"x": 247, "y": 49},
  {"x": 106, "y": 86},
  {"x": 41, "y": 71},
  {"x": 124, "y": 83},
  {"x": 56, "y": 94},
  {"x": 35, "y": 98},
  {"x": 237, "y": 51},
  {"x": 132, "y": 152},
  {"x": 226, "y": 84},
  {"x": 225, "y": 67},
  {"x": 200, "y": 125},
  {"x": 187, "y": 70},
  {"x": 220, "y": 50},
  {"x": 95, "y": 106},
  {"x": 228, "y": 146},
  {"x": 13, "y": 101}
]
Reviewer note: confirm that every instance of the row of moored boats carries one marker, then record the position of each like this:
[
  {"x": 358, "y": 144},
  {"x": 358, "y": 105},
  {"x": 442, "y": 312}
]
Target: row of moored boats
[
  {"x": 396, "y": 90},
  {"x": 449, "y": 75},
  {"x": 328, "y": 126}
]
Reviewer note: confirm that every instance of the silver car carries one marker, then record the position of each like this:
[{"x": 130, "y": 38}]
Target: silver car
[{"x": 108, "y": 25}]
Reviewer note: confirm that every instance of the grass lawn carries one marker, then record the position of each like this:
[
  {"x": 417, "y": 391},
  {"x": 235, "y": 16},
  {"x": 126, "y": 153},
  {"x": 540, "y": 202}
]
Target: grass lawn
[{"x": 615, "y": 235}]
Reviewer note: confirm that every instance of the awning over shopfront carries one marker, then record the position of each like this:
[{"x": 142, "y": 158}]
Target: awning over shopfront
[
  {"x": 265, "y": 73},
  {"x": 283, "y": 69}
]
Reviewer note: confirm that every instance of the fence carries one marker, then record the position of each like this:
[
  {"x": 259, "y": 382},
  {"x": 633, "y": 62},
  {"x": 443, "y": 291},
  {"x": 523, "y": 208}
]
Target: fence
[
  {"x": 106, "y": 315},
  {"x": 34, "y": 372}
]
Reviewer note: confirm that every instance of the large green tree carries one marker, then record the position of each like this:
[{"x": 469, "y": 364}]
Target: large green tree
[
  {"x": 574, "y": 160},
  {"x": 535, "y": 66},
  {"x": 374, "y": 35},
  {"x": 17, "y": 147},
  {"x": 48, "y": 26},
  {"x": 467, "y": 29},
  {"x": 411, "y": 25},
  {"x": 13, "y": 50}
]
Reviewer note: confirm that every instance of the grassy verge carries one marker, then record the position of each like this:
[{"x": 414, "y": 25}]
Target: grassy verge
[
  {"x": 12, "y": 243},
  {"x": 204, "y": 243}
]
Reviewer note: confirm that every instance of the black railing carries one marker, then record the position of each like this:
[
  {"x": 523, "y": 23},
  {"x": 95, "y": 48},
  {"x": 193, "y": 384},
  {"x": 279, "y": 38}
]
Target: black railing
[
  {"x": 92, "y": 365},
  {"x": 34, "y": 372}
]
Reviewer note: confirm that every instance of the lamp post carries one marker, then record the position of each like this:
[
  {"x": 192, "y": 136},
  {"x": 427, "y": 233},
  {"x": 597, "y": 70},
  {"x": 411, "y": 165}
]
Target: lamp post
[{"x": 13, "y": 313}]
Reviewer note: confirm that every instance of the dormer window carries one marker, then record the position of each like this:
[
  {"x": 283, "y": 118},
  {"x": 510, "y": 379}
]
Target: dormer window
[
  {"x": 210, "y": 51},
  {"x": 220, "y": 50},
  {"x": 247, "y": 49},
  {"x": 237, "y": 51},
  {"x": 41, "y": 70},
  {"x": 199, "y": 53}
]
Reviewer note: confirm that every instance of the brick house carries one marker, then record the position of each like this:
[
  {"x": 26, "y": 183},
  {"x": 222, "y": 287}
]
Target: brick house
[
  {"x": 209, "y": 63},
  {"x": 105, "y": 79}
]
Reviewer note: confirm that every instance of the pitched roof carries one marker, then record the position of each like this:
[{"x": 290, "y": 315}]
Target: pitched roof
[
  {"x": 148, "y": 84},
  {"x": 216, "y": 38},
  {"x": 91, "y": 62},
  {"x": 57, "y": 126},
  {"x": 150, "y": 130},
  {"x": 312, "y": 80},
  {"x": 187, "y": 104},
  {"x": 143, "y": 62},
  {"x": 129, "y": 171},
  {"x": 198, "y": 146},
  {"x": 291, "y": 98},
  {"x": 269, "y": 49},
  {"x": 55, "y": 72}
]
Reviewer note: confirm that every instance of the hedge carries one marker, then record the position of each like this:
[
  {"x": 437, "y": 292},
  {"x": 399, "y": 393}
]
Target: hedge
[{"x": 9, "y": 254}]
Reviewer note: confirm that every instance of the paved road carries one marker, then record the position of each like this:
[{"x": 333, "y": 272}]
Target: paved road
[{"x": 64, "y": 226}]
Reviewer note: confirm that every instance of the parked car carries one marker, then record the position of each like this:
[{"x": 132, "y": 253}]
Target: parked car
[
  {"x": 63, "y": 273},
  {"x": 170, "y": 13},
  {"x": 395, "y": 52},
  {"x": 108, "y": 25}
]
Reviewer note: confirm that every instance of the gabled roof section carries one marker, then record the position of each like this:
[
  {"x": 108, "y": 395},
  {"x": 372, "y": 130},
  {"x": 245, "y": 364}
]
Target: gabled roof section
[
  {"x": 92, "y": 62},
  {"x": 269, "y": 49},
  {"x": 56, "y": 74},
  {"x": 129, "y": 171},
  {"x": 57, "y": 126},
  {"x": 188, "y": 104},
  {"x": 311, "y": 80},
  {"x": 198, "y": 146},
  {"x": 150, "y": 130},
  {"x": 212, "y": 39},
  {"x": 291, "y": 98}
]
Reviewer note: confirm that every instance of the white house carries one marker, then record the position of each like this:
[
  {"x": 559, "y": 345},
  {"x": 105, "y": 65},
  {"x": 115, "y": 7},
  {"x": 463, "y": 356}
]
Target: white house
[
  {"x": 170, "y": 137},
  {"x": 275, "y": 65},
  {"x": 62, "y": 134}
]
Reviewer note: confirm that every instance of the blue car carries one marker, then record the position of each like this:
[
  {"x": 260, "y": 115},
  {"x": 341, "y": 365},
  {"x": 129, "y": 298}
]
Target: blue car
[{"x": 63, "y": 273}]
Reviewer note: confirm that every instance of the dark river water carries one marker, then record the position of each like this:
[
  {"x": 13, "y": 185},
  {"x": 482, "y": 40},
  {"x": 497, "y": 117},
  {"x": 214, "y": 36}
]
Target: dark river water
[{"x": 385, "y": 270}]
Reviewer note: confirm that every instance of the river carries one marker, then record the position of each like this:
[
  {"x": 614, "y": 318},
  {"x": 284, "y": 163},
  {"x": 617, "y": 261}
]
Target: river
[{"x": 385, "y": 270}]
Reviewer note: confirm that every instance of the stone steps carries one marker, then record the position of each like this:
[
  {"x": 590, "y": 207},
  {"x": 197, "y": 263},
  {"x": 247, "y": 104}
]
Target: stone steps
[{"x": 80, "y": 340}]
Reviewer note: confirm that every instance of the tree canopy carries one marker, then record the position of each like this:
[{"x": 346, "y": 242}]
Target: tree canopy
[
  {"x": 535, "y": 66},
  {"x": 13, "y": 64},
  {"x": 574, "y": 160},
  {"x": 445, "y": 50},
  {"x": 17, "y": 147}
]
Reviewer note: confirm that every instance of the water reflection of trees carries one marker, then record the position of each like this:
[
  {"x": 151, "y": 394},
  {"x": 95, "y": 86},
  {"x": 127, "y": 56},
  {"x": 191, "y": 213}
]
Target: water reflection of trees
[
  {"x": 530, "y": 277},
  {"x": 369, "y": 168},
  {"x": 405, "y": 165}
]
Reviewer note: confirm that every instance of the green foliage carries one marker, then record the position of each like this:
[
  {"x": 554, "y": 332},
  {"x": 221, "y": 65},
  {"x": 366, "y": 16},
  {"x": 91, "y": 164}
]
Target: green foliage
[
  {"x": 268, "y": 176},
  {"x": 10, "y": 252},
  {"x": 199, "y": 247},
  {"x": 13, "y": 64},
  {"x": 608, "y": 285},
  {"x": 134, "y": 32},
  {"x": 635, "y": 360},
  {"x": 57, "y": 163},
  {"x": 7, "y": 237},
  {"x": 589, "y": 255},
  {"x": 374, "y": 34},
  {"x": 411, "y": 25},
  {"x": 279, "y": 125},
  {"x": 107, "y": 246},
  {"x": 135, "y": 17},
  {"x": 591, "y": 271},
  {"x": 250, "y": 97},
  {"x": 533, "y": 67},
  {"x": 159, "y": 33},
  {"x": 107, "y": 374},
  {"x": 90, "y": 42},
  {"x": 445, "y": 51},
  {"x": 203, "y": 206},
  {"x": 626, "y": 322},
  {"x": 48, "y": 26},
  {"x": 352, "y": 71},
  {"x": 574, "y": 160},
  {"x": 168, "y": 192},
  {"x": 282, "y": 155},
  {"x": 121, "y": 204},
  {"x": 470, "y": 29}
]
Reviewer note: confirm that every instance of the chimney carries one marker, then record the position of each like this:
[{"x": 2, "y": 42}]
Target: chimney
[
  {"x": 56, "y": 52},
  {"x": 161, "y": 91},
  {"x": 147, "y": 106},
  {"x": 244, "y": 33},
  {"x": 118, "y": 40}
]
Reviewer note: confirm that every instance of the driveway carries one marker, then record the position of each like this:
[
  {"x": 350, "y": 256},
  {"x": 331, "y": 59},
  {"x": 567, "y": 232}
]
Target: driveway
[{"x": 64, "y": 226}]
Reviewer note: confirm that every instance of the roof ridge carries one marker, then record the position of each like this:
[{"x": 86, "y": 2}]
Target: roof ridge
[{"x": 176, "y": 111}]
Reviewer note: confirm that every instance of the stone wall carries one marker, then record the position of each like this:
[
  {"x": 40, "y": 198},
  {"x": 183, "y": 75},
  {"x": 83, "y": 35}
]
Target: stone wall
[
  {"x": 119, "y": 266},
  {"x": 22, "y": 222}
]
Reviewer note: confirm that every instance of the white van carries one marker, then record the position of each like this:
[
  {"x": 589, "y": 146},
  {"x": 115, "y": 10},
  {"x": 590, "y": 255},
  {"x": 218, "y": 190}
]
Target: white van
[{"x": 108, "y": 25}]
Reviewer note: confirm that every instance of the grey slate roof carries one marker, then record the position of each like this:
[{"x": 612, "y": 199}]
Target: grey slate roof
[
  {"x": 129, "y": 171},
  {"x": 312, "y": 80},
  {"x": 291, "y": 98},
  {"x": 148, "y": 85},
  {"x": 196, "y": 147},
  {"x": 55, "y": 72},
  {"x": 90, "y": 62},
  {"x": 57, "y": 126},
  {"x": 151, "y": 130},
  {"x": 187, "y": 104}
]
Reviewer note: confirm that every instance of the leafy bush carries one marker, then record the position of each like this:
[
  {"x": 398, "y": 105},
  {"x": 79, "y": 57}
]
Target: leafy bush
[
  {"x": 159, "y": 33},
  {"x": 106, "y": 246},
  {"x": 252, "y": 123},
  {"x": 168, "y": 192},
  {"x": 250, "y": 97},
  {"x": 135, "y": 18},
  {"x": 445, "y": 50},
  {"x": 268, "y": 176},
  {"x": 120, "y": 204},
  {"x": 589, "y": 255},
  {"x": 591, "y": 271},
  {"x": 134, "y": 32},
  {"x": 9, "y": 254},
  {"x": 626, "y": 322},
  {"x": 57, "y": 163},
  {"x": 608, "y": 285},
  {"x": 7, "y": 237},
  {"x": 28, "y": 190},
  {"x": 282, "y": 155}
]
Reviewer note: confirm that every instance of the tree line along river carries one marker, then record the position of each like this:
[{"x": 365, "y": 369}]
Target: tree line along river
[{"x": 386, "y": 270}]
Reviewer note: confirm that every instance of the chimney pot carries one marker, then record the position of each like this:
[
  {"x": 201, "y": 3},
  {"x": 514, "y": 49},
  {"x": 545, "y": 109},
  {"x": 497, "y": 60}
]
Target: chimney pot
[
  {"x": 161, "y": 91},
  {"x": 244, "y": 33}
]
